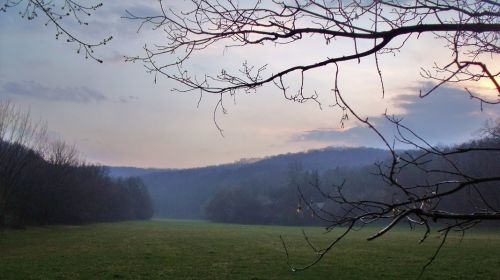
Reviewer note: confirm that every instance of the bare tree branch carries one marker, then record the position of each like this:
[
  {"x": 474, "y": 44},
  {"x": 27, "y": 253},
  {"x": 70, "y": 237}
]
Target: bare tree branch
[{"x": 55, "y": 13}]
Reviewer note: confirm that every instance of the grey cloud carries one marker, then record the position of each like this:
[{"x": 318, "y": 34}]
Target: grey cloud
[
  {"x": 128, "y": 99},
  {"x": 114, "y": 57},
  {"x": 445, "y": 117},
  {"x": 446, "y": 114},
  {"x": 32, "y": 89},
  {"x": 355, "y": 136}
]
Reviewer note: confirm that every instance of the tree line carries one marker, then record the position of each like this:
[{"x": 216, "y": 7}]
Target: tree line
[
  {"x": 43, "y": 182},
  {"x": 307, "y": 197}
]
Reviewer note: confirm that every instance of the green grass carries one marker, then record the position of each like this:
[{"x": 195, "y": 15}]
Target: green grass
[{"x": 200, "y": 250}]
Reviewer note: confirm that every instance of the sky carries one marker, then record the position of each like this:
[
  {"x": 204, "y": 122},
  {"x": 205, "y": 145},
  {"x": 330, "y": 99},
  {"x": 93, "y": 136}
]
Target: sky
[{"x": 116, "y": 115}]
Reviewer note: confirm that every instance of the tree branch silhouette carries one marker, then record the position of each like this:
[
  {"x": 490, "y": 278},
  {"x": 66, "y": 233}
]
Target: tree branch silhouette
[
  {"x": 55, "y": 13},
  {"x": 470, "y": 31}
]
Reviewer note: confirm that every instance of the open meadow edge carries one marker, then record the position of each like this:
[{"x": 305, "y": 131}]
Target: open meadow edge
[{"x": 169, "y": 249}]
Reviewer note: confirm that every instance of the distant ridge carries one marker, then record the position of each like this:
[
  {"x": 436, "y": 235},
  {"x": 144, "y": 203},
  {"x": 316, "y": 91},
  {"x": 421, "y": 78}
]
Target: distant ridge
[
  {"x": 183, "y": 193},
  {"x": 318, "y": 159},
  {"x": 128, "y": 171}
]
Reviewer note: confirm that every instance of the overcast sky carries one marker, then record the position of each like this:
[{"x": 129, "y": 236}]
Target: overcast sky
[{"x": 116, "y": 115}]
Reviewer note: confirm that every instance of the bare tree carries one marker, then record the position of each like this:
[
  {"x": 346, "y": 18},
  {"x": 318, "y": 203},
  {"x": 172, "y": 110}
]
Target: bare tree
[
  {"x": 60, "y": 14},
  {"x": 63, "y": 154},
  {"x": 469, "y": 30},
  {"x": 20, "y": 141}
]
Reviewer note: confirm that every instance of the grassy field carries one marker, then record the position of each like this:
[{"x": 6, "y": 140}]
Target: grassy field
[{"x": 199, "y": 250}]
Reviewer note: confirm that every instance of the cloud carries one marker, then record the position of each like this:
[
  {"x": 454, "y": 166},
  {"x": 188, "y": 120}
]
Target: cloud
[
  {"x": 355, "y": 136},
  {"x": 32, "y": 89},
  {"x": 114, "y": 57},
  {"x": 128, "y": 99},
  {"x": 447, "y": 116}
]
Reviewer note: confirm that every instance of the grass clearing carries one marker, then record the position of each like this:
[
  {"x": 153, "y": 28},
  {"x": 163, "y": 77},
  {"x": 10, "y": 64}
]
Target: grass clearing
[{"x": 199, "y": 250}]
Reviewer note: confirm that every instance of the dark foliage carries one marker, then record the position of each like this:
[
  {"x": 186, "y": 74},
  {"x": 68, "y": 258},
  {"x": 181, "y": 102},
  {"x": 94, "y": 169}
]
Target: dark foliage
[
  {"x": 44, "y": 192},
  {"x": 305, "y": 197}
]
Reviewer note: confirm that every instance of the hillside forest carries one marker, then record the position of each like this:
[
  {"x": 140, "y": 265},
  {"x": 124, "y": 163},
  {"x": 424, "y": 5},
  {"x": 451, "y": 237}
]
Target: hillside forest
[{"x": 294, "y": 189}]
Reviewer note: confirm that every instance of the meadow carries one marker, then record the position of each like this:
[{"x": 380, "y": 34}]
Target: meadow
[{"x": 166, "y": 249}]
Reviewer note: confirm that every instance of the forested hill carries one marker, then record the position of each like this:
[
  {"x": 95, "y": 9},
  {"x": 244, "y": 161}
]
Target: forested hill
[
  {"x": 184, "y": 193},
  {"x": 320, "y": 159}
]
